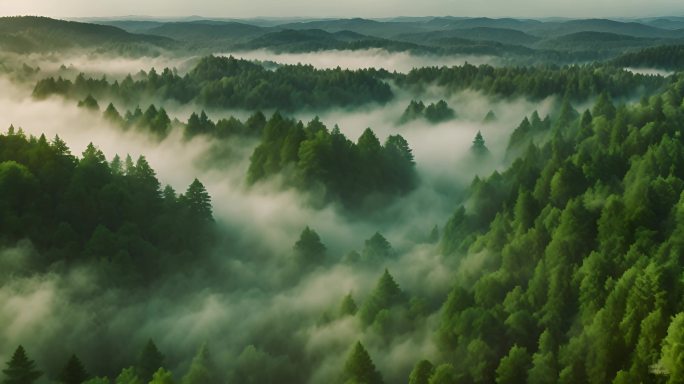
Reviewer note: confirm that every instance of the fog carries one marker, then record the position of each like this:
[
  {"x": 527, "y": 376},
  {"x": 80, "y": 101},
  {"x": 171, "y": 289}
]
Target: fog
[
  {"x": 252, "y": 303},
  {"x": 650, "y": 71},
  {"x": 361, "y": 59}
]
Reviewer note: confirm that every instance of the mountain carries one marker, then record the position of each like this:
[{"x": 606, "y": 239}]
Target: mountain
[
  {"x": 207, "y": 31},
  {"x": 499, "y": 35},
  {"x": 27, "y": 34},
  {"x": 635, "y": 29},
  {"x": 596, "y": 41},
  {"x": 362, "y": 26}
]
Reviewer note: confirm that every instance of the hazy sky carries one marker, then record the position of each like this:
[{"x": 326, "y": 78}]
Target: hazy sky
[{"x": 344, "y": 8}]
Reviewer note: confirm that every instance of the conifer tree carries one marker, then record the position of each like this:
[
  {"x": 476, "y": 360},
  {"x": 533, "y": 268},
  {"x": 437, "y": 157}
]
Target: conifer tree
[
  {"x": 151, "y": 360},
  {"x": 20, "y": 369},
  {"x": 359, "y": 367},
  {"x": 73, "y": 372}
]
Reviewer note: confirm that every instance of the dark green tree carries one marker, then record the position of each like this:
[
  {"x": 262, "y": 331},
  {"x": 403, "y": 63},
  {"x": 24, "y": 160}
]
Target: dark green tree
[
  {"x": 421, "y": 372},
  {"x": 150, "y": 360},
  {"x": 20, "y": 369},
  {"x": 479, "y": 148},
  {"x": 73, "y": 372},
  {"x": 348, "y": 306},
  {"x": 198, "y": 201},
  {"x": 359, "y": 368},
  {"x": 309, "y": 250}
]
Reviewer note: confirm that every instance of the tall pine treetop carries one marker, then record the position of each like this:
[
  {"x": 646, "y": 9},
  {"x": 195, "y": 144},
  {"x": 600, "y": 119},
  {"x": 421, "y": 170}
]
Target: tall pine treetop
[{"x": 20, "y": 369}]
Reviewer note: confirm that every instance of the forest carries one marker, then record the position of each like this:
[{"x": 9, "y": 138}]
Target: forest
[{"x": 280, "y": 201}]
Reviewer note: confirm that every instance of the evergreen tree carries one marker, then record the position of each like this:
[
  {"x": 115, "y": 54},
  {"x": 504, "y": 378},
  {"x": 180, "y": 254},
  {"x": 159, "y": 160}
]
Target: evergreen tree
[
  {"x": 150, "y": 361},
  {"x": 672, "y": 357},
  {"x": 479, "y": 148},
  {"x": 202, "y": 369},
  {"x": 513, "y": 367},
  {"x": 128, "y": 376},
  {"x": 309, "y": 250},
  {"x": 89, "y": 103},
  {"x": 20, "y": 369},
  {"x": 162, "y": 376},
  {"x": 376, "y": 248},
  {"x": 348, "y": 306},
  {"x": 359, "y": 368},
  {"x": 421, "y": 372},
  {"x": 199, "y": 201},
  {"x": 385, "y": 295},
  {"x": 73, "y": 372}
]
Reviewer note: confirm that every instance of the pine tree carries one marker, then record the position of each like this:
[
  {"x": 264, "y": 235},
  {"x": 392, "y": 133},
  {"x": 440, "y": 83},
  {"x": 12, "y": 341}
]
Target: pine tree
[
  {"x": 359, "y": 367},
  {"x": 149, "y": 362},
  {"x": 348, "y": 306},
  {"x": 672, "y": 357},
  {"x": 309, "y": 249},
  {"x": 479, "y": 148},
  {"x": 162, "y": 376},
  {"x": 202, "y": 369},
  {"x": 421, "y": 372},
  {"x": 73, "y": 372},
  {"x": 385, "y": 295},
  {"x": 376, "y": 248},
  {"x": 20, "y": 369},
  {"x": 198, "y": 200}
]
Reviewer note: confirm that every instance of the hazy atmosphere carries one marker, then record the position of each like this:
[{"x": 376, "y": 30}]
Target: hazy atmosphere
[
  {"x": 351, "y": 8},
  {"x": 314, "y": 192}
]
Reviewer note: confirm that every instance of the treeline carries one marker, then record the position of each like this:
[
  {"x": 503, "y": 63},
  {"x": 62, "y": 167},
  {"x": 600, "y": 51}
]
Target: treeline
[
  {"x": 433, "y": 112},
  {"x": 580, "y": 242},
  {"x": 149, "y": 368},
  {"x": 87, "y": 209},
  {"x": 663, "y": 57},
  {"x": 578, "y": 82},
  {"x": 157, "y": 122},
  {"x": 227, "y": 82},
  {"x": 313, "y": 157}
]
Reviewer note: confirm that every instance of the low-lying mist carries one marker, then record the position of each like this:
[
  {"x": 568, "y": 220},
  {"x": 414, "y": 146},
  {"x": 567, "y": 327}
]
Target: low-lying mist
[
  {"x": 251, "y": 299},
  {"x": 361, "y": 59}
]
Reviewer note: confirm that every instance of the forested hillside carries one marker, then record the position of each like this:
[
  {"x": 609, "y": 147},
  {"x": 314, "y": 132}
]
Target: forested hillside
[
  {"x": 227, "y": 82},
  {"x": 379, "y": 210},
  {"x": 581, "y": 241}
]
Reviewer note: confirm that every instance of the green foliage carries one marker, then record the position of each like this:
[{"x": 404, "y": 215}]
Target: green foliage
[
  {"x": 513, "y": 367},
  {"x": 97, "y": 211},
  {"x": 227, "y": 82},
  {"x": 348, "y": 306},
  {"x": 359, "y": 368},
  {"x": 307, "y": 157},
  {"x": 309, "y": 250},
  {"x": 385, "y": 295},
  {"x": 421, "y": 372},
  {"x": 434, "y": 112},
  {"x": 578, "y": 82},
  {"x": 151, "y": 362},
  {"x": 162, "y": 376},
  {"x": 128, "y": 376},
  {"x": 479, "y": 148},
  {"x": 20, "y": 369},
  {"x": 665, "y": 57},
  {"x": 89, "y": 103},
  {"x": 578, "y": 241},
  {"x": 444, "y": 374},
  {"x": 73, "y": 372},
  {"x": 672, "y": 357},
  {"x": 376, "y": 248},
  {"x": 202, "y": 369}
]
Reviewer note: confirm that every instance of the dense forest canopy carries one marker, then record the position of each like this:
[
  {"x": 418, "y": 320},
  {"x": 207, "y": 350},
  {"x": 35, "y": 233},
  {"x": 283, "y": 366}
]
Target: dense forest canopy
[{"x": 515, "y": 221}]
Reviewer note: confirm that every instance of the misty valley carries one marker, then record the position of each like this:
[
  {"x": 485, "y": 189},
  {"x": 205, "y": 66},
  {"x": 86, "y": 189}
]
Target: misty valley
[{"x": 431, "y": 200}]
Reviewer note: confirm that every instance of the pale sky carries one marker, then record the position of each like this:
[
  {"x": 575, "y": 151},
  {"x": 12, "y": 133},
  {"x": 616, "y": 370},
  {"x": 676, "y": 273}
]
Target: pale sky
[{"x": 343, "y": 8}]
